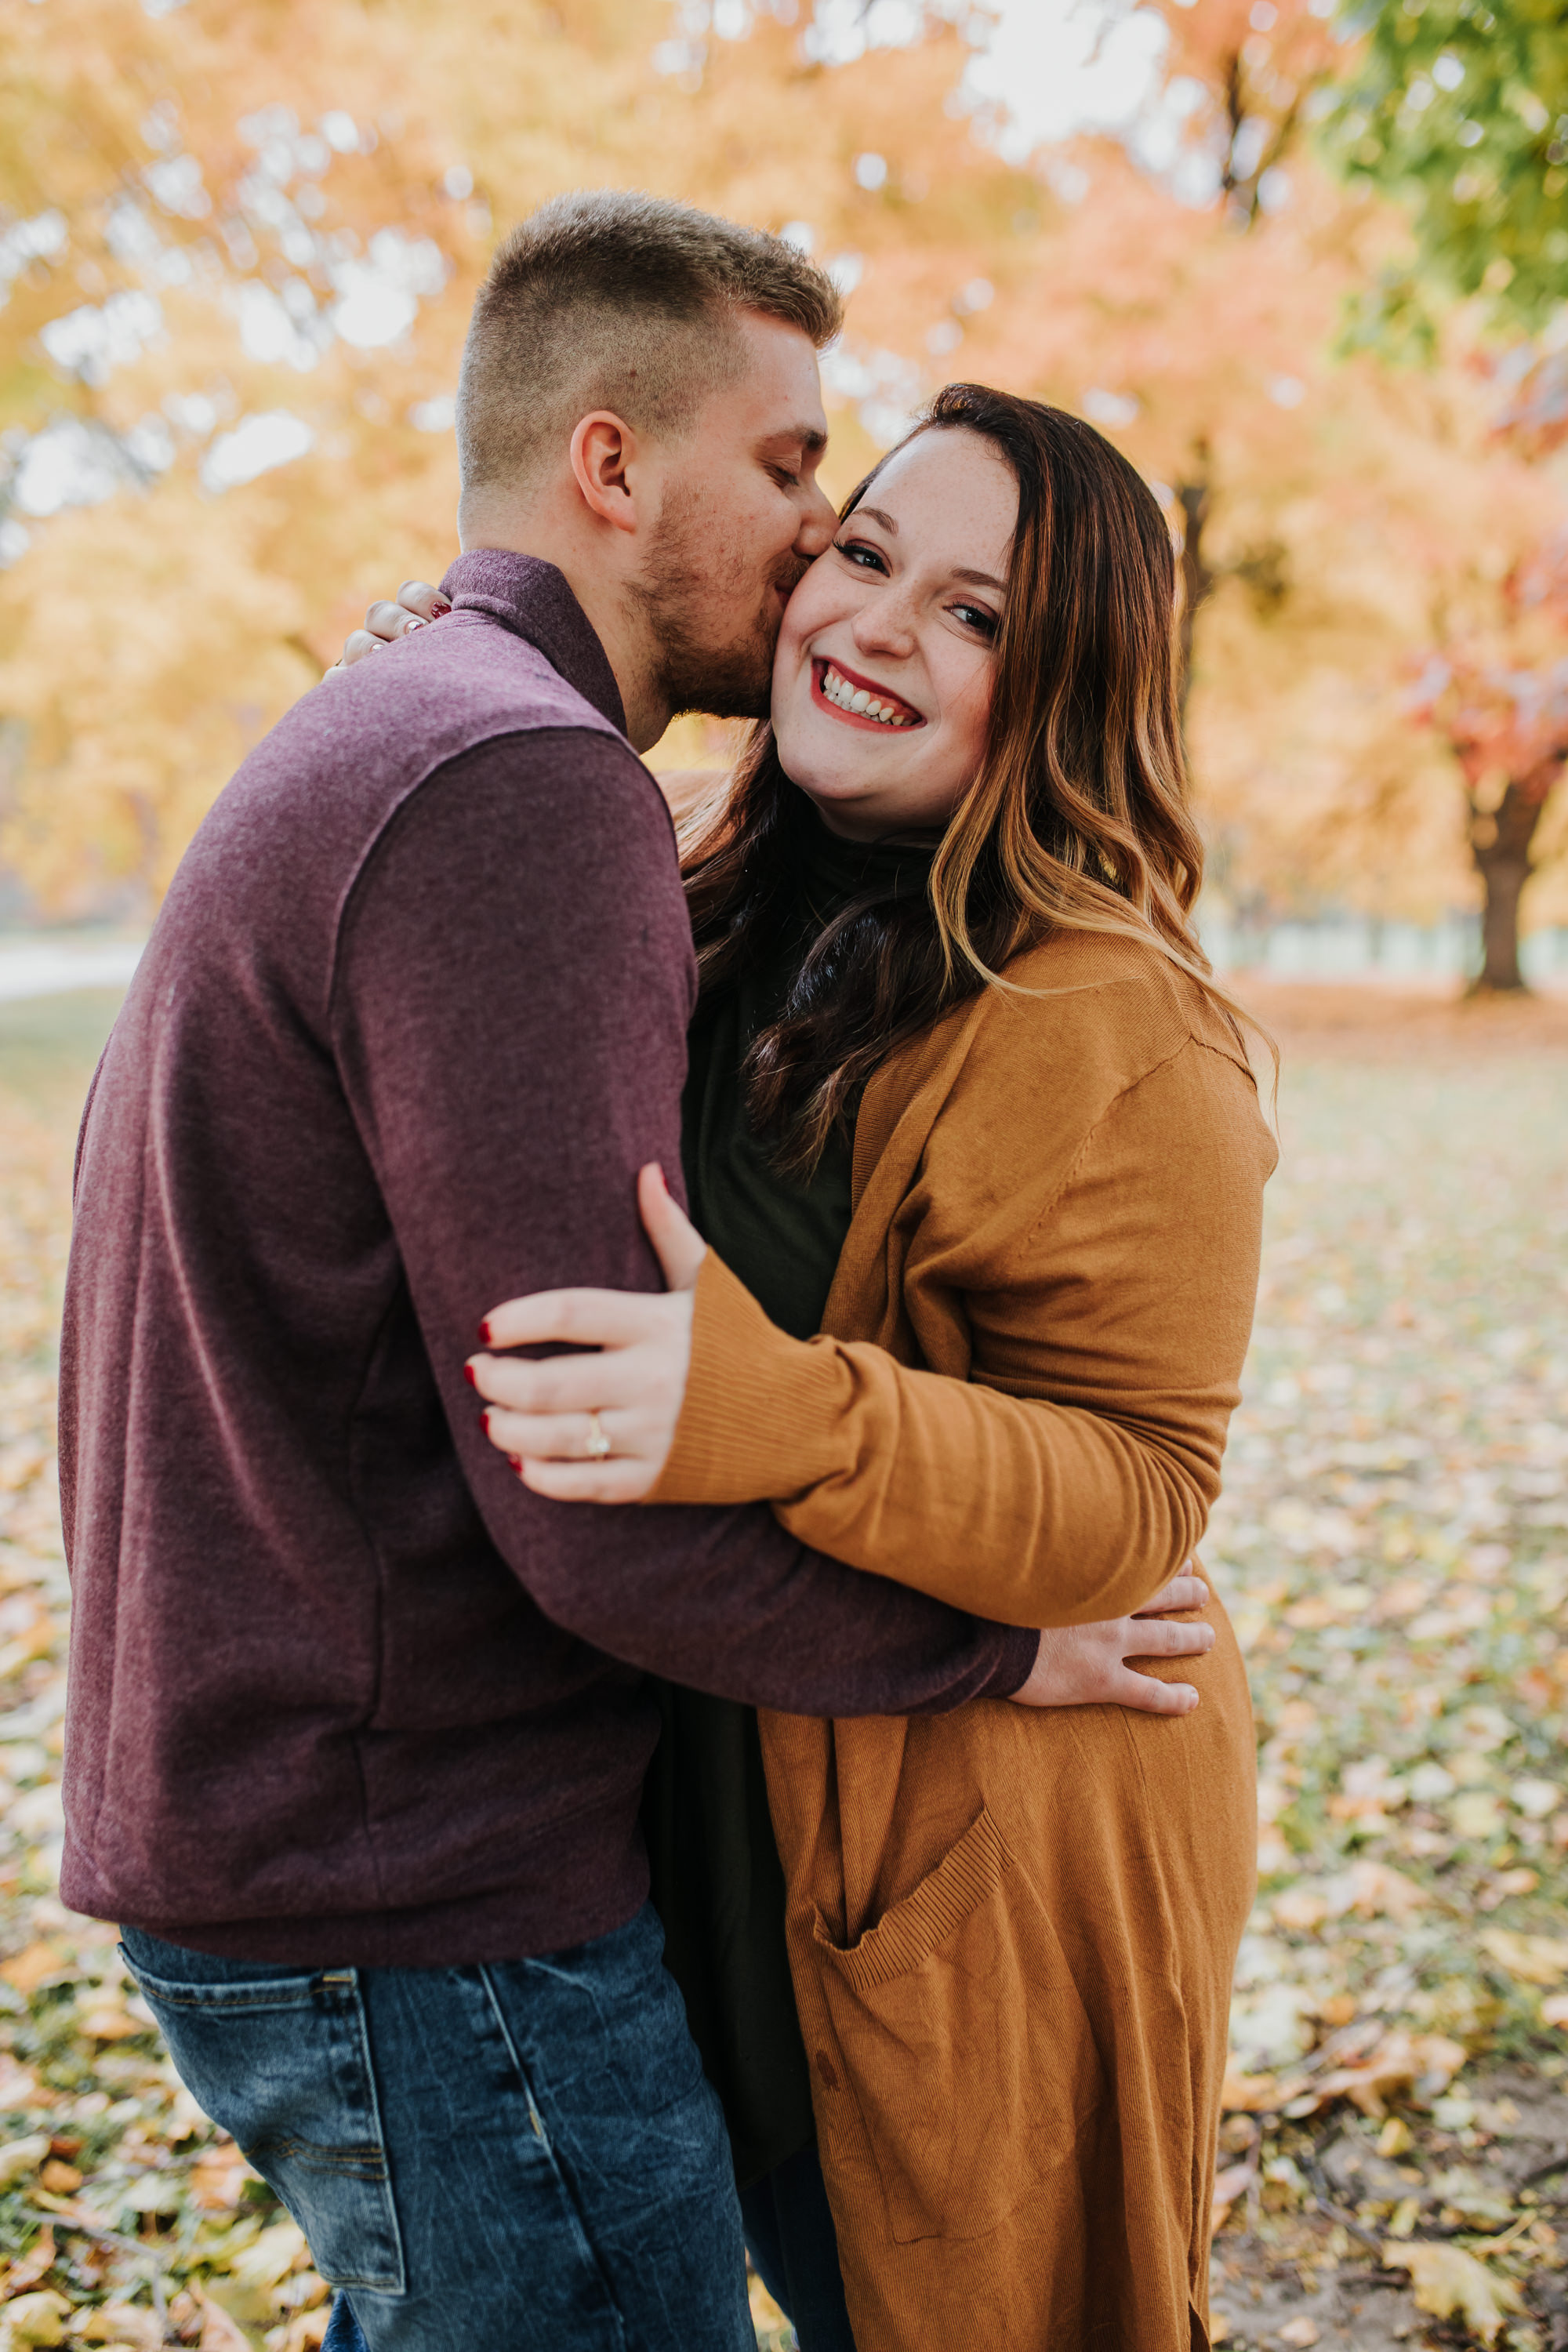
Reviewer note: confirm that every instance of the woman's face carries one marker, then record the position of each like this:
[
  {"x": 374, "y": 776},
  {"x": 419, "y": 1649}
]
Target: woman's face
[{"x": 899, "y": 618}]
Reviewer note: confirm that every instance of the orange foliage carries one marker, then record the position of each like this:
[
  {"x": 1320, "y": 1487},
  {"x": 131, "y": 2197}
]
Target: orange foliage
[{"x": 1338, "y": 517}]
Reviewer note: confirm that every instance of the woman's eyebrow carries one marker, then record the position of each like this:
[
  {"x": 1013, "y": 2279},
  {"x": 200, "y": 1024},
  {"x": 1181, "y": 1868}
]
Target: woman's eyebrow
[{"x": 974, "y": 579}]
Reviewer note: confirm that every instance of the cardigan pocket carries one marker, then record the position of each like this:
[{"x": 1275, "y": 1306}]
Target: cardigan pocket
[{"x": 964, "y": 2039}]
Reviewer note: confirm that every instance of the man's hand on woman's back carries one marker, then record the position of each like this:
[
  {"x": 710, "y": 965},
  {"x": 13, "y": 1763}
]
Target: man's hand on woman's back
[{"x": 1086, "y": 1665}]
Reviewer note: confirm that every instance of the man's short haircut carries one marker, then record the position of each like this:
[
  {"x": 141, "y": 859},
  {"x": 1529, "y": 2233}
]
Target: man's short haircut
[{"x": 607, "y": 300}]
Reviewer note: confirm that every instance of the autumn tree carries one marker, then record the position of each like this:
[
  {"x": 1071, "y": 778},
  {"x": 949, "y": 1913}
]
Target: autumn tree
[
  {"x": 244, "y": 257},
  {"x": 1499, "y": 700},
  {"x": 1458, "y": 111},
  {"x": 1248, "y": 71},
  {"x": 240, "y": 244}
]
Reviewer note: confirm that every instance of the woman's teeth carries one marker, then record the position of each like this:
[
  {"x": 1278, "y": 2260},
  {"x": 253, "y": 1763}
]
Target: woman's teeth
[{"x": 837, "y": 689}]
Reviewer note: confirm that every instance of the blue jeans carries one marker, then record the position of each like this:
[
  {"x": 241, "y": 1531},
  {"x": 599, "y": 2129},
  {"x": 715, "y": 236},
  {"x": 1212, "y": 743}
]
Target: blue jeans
[{"x": 524, "y": 2156}]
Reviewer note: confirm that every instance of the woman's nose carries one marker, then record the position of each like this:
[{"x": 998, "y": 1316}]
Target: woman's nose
[{"x": 884, "y": 624}]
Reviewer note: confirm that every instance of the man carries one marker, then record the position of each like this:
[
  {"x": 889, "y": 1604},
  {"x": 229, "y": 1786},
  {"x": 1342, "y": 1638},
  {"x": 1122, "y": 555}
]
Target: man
[{"x": 356, "y": 1732}]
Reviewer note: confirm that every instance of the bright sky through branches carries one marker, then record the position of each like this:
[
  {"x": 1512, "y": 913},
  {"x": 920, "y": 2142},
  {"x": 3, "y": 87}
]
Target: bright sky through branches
[
  {"x": 1058, "y": 66},
  {"x": 1045, "y": 71}
]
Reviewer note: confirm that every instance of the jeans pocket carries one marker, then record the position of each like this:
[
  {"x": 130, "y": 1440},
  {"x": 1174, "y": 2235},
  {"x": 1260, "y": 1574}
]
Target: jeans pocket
[
  {"x": 282, "y": 2064},
  {"x": 965, "y": 2042}
]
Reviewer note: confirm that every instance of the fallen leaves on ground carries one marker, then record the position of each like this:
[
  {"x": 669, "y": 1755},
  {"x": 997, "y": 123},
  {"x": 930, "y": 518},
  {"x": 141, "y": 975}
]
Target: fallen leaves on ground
[
  {"x": 1451, "y": 2283},
  {"x": 125, "y": 2219},
  {"x": 1393, "y": 1546}
]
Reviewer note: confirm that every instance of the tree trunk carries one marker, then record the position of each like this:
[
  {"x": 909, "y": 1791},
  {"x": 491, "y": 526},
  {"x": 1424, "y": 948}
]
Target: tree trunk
[
  {"x": 1500, "y": 844},
  {"x": 1194, "y": 499}
]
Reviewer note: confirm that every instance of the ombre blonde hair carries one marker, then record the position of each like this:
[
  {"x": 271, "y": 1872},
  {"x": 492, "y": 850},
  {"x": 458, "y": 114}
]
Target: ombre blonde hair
[{"x": 1077, "y": 818}]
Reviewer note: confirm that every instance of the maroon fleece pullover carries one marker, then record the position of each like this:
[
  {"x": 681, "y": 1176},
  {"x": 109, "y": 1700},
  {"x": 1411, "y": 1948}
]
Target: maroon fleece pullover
[{"x": 342, "y": 1689}]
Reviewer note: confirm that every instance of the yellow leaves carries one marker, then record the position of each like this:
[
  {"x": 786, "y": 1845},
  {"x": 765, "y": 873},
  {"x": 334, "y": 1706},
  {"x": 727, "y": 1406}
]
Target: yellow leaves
[
  {"x": 105, "y": 2017},
  {"x": 20, "y": 1463},
  {"x": 772, "y": 2329},
  {"x": 37, "y": 1639},
  {"x": 1251, "y": 2094},
  {"x": 1367, "y": 1890},
  {"x": 33, "y": 1965},
  {"x": 304, "y": 2333},
  {"x": 1369, "y": 1792},
  {"x": 1340, "y": 1605},
  {"x": 1399, "y": 2063},
  {"x": 20, "y": 2157},
  {"x": 1377, "y": 1890},
  {"x": 1401, "y": 1599},
  {"x": 1476, "y": 1815},
  {"x": 1233, "y": 2182},
  {"x": 1534, "y": 1959},
  {"x": 1300, "y": 1909},
  {"x": 1452, "y": 2285},
  {"x": 217, "y": 2178},
  {"x": 219, "y": 2331},
  {"x": 270, "y": 2257},
  {"x": 19, "y": 2086},
  {"x": 35, "y": 2265},
  {"x": 129, "y": 2324},
  {"x": 40, "y": 2318}
]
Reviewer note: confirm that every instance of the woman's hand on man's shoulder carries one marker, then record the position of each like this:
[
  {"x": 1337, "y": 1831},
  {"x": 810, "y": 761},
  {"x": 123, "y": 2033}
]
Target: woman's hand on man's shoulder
[{"x": 417, "y": 604}]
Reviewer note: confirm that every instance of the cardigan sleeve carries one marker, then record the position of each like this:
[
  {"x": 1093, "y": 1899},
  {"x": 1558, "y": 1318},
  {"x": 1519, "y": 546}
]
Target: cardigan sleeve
[{"x": 1072, "y": 1472}]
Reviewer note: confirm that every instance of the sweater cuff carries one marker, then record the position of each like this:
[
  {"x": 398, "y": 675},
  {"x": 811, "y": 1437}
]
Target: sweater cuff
[
  {"x": 758, "y": 1420},
  {"x": 1020, "y": 1648}
]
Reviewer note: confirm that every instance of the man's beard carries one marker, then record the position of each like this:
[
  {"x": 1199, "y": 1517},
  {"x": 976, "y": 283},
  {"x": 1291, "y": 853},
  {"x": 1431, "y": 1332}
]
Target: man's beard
[{"x": 677, "y": 596}]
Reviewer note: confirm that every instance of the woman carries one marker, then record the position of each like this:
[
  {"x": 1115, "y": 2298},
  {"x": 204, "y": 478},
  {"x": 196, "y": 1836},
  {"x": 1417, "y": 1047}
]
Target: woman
[{"x": 964, "y": 1093}]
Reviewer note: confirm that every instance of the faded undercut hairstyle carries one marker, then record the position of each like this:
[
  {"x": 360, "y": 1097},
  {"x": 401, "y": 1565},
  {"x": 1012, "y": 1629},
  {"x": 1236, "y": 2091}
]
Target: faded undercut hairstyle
[
  {"x": 1077, "y": 818},
  {"x": 617, "y": 300}
]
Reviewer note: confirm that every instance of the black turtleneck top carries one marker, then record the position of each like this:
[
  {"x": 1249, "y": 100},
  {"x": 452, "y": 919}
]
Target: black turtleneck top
[{"x": 716, "y": 1879}]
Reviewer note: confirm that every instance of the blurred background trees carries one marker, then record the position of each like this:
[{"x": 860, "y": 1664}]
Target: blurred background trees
[{"x": 1308, "y": 274}]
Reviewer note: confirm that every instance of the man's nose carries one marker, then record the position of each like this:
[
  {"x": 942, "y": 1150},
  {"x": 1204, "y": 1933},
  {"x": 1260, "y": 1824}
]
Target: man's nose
[{"x": 818, "y": 525}]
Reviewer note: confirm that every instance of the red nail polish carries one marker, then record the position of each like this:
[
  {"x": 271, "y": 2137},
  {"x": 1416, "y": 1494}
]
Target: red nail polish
[
  {"x": 469, "y": 1376},
  {"x": 439, "y": 607},
  {"x": 485, "y": 1331},
  {"x": 485, "y": 1421}
]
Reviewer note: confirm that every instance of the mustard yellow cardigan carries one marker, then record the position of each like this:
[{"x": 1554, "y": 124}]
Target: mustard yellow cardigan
[{"x": 1012, "y": 1932}]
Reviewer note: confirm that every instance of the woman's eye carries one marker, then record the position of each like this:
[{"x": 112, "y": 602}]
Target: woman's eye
[
  {"x": 866, "y": 559},
  {"x": 786, "y": 479},
  {"x": 977, "y": 617}
]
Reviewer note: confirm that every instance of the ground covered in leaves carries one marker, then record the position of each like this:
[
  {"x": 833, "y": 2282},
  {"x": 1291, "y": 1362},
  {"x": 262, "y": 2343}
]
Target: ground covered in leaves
[{"x": 1393, "y": 1543}]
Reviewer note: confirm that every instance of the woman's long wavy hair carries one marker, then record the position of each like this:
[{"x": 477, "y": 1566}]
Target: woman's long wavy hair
[{"x": 1077, "y": 818}]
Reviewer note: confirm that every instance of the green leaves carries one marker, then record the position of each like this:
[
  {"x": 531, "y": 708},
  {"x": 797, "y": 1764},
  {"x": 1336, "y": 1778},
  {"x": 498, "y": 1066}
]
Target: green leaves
[{"x": 1458, "y": 109}]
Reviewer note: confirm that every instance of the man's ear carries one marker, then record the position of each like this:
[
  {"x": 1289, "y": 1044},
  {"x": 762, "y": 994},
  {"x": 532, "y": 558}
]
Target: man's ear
[{"x": 604, "y": 454}]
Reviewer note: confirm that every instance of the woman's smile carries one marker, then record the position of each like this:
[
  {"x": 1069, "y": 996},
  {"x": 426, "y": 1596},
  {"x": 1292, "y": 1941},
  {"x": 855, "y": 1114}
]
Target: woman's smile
[{"x": 859, "y": 702}]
